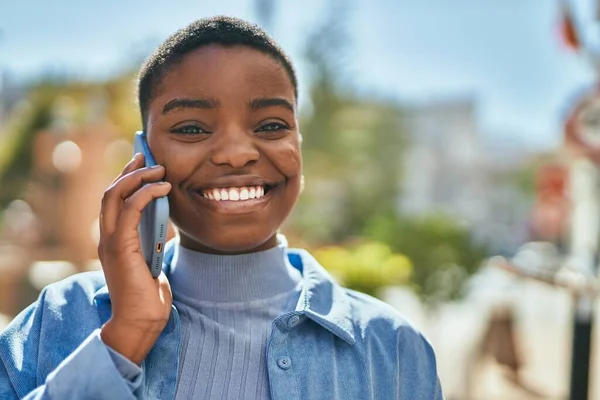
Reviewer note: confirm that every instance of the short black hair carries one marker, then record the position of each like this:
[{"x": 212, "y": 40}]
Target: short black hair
[{"x": 221, "y": 30}]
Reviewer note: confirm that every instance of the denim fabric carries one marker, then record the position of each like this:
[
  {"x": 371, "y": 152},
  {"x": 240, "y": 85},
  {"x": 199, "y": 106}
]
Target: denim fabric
[{"x": 337, "y": 344}]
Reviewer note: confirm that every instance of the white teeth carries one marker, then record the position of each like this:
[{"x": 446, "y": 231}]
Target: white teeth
[{"x": 235, "y": 194}]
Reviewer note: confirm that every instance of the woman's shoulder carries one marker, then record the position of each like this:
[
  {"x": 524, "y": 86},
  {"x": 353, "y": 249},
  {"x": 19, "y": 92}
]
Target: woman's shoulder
[
  {"x": 68, "y": 303},
  {"x": 81, "y": 287},
  {"x": 371, "y": 313},
  {"x": 38, "y": 339}
]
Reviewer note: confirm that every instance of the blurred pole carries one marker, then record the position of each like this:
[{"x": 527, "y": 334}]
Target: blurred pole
[
  {"x": 582, "y": 344},
  {"x": 584, "y": 247}
]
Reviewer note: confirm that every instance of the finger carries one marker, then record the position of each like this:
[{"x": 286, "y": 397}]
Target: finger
[
  {"x": 135, "y": 163},
  {"x": 130, "y": 183},
  {"x": 131, "y": 213},
  {"x": 126, "y": 186}
]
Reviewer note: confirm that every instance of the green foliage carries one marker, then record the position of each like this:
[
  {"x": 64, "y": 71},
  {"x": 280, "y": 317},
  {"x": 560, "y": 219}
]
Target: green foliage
[
  {"x": 352, "y": 146},
  {"x": 524, "y": 179},
  {"x": 365, "y": 267},
  {"x": 443, "y": 252},
  {"x": 16, "y": 148}
]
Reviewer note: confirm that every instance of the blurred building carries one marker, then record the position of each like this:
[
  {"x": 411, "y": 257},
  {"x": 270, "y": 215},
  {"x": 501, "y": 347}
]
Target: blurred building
[
  {"x": 52, "y": 230},
  {"x": 450, "y": 168},
  {"x": 70, "y": 175}
]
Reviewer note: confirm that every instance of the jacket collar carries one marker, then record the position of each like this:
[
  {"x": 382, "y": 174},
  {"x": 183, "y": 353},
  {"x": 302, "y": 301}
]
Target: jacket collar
[{"x": 322, "y": 299}]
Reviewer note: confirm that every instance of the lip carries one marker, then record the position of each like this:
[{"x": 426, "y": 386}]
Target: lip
[{"x": 231, "y": 207}]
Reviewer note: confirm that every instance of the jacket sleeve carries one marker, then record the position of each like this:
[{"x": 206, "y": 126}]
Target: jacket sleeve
[{"x": 89, "y": 372}]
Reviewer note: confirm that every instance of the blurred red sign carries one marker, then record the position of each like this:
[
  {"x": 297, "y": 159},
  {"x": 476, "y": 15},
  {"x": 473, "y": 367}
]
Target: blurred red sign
[
  {"x": 568, "y": 30},
  {"x": 551, "y": 181},
  {"x": 551, "y": 207}
]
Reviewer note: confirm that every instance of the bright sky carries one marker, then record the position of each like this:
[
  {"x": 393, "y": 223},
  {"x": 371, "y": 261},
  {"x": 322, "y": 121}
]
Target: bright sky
[{"x": 504, "y": 53}]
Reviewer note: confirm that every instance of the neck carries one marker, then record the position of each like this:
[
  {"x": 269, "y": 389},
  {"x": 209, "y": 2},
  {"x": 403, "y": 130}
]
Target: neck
[{"x": 191, "y": 244}]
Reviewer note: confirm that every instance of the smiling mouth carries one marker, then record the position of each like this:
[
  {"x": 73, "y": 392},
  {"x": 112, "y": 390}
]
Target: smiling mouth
[{"x": 236, "y": 194}]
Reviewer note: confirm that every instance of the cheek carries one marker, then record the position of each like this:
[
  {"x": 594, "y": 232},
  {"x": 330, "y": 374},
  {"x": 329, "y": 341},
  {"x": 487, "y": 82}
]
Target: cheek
[
  {"x": 177, "y": 170},
  {"x": 180, "y": 161},
  {"x": 289, "y": 160}
]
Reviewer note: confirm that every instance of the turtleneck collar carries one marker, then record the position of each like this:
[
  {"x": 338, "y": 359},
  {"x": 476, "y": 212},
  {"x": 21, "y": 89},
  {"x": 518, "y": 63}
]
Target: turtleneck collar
[{"x": 232, "y": 278}]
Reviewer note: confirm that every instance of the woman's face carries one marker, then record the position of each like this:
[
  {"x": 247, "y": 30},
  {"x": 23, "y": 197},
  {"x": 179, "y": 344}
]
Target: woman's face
[{"x": 223, "y": 123}]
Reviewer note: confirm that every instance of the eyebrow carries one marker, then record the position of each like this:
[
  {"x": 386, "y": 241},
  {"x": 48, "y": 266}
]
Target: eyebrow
[
  {"x": 258, "y": 104},
  {"x": 179, "y": 104}
]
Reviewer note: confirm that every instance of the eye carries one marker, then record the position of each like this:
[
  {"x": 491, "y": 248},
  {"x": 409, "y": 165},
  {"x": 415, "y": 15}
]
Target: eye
[
  {"x": 273, "y": 130},
  {"x": 189, "y": 130},
  {"x": 273, "y": 126}
]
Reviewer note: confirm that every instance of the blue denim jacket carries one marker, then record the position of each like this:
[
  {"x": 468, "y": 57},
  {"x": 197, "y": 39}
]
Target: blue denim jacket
[{"x": 337, "y": 344}]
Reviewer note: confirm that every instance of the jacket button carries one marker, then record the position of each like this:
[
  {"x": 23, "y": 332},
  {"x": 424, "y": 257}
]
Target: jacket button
[
  {"x": 284, "y": 362},
  {"x": 293, "y": 321}
]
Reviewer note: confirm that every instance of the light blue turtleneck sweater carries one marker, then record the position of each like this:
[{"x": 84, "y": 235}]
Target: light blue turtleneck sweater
[{"x": 227, "y": 304}]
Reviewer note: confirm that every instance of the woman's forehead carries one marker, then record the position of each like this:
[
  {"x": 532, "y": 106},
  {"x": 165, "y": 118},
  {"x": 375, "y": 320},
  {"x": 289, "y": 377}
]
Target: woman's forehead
[{"x": 220, "y": 72}]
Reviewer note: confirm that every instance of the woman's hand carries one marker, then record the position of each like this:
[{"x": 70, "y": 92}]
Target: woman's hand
[{"x": 141, "y": 305}]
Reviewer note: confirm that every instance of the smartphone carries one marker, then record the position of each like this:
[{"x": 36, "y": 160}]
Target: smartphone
[{"x": 155, "y": 216}]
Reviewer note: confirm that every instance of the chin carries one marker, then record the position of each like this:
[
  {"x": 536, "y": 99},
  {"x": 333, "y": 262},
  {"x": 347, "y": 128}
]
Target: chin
[{"x": 230, "y": 243}]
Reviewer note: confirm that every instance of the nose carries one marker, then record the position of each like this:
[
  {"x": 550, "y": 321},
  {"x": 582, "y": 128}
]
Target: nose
[{"x": 235, "y": 148}]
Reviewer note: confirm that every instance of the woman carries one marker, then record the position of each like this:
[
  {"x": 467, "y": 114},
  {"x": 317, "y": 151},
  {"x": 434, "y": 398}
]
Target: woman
[{"x": 235, "y": 314}]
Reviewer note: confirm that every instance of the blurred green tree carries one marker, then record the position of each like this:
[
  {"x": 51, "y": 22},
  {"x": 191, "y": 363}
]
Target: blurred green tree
[
  {"x": 443, "y": 252},
  {"x": 352, "y": 145},
  {"x": 366, "y": 266},
  {"x": 17, "y": 145}
]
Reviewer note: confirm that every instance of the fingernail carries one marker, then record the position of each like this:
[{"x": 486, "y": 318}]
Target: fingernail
[
  {"x": 155, "y": 166},
  {"x": 136, "y": 156}
]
